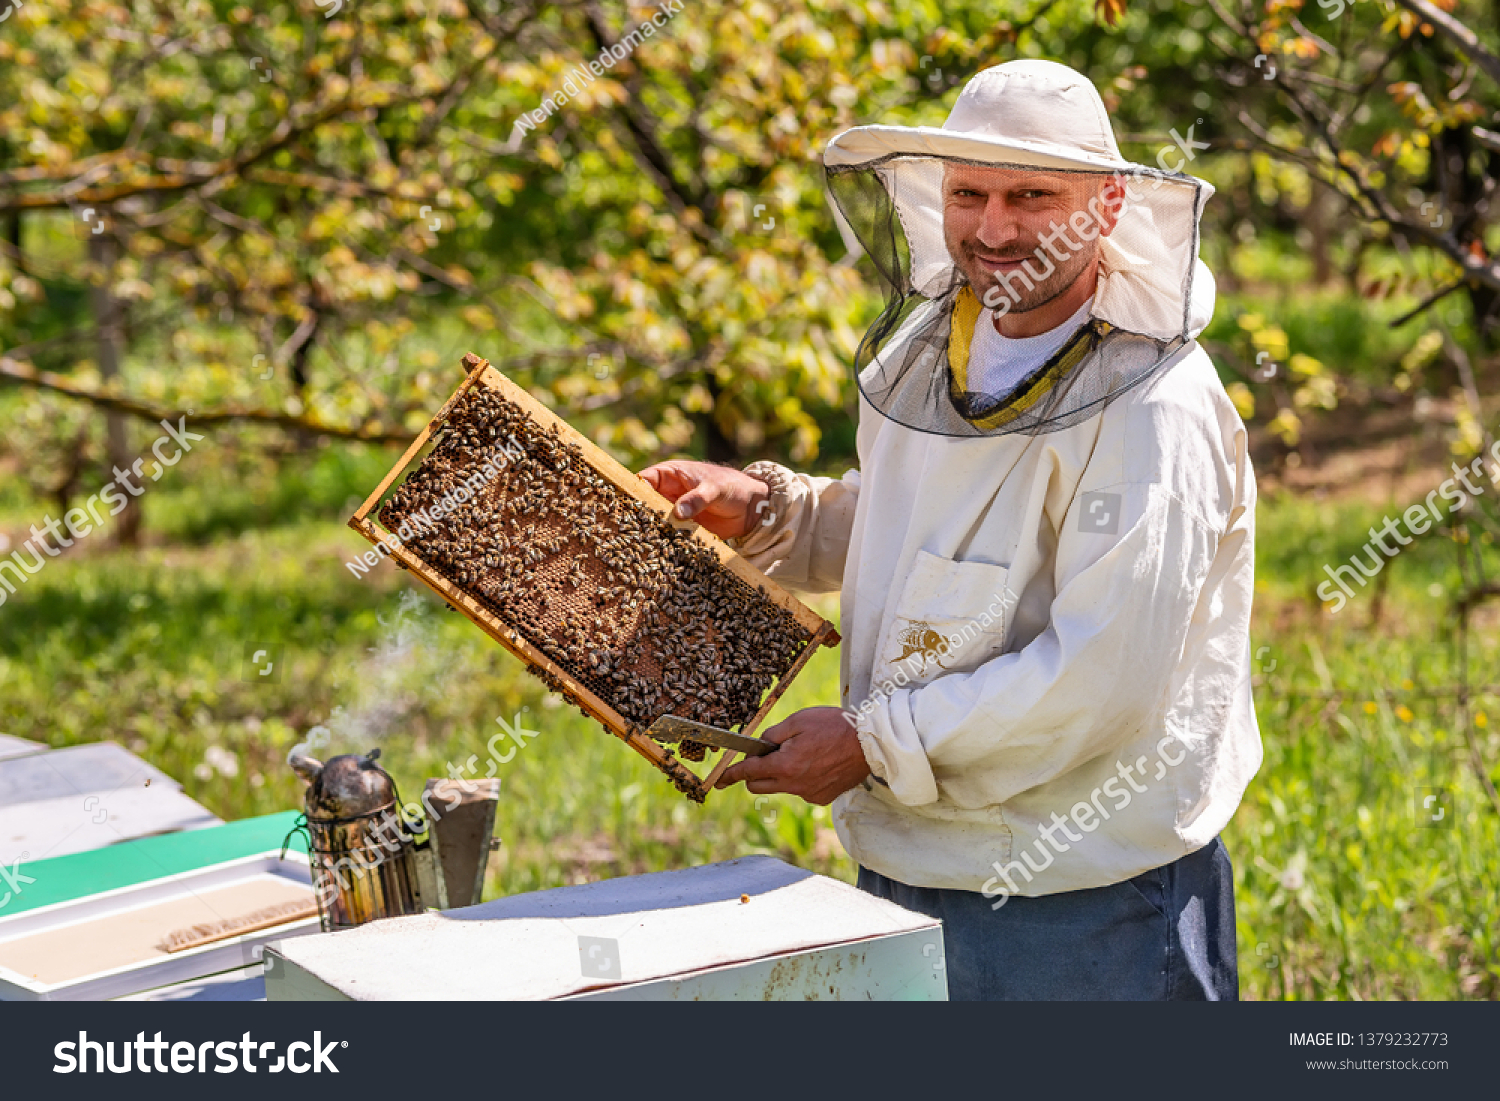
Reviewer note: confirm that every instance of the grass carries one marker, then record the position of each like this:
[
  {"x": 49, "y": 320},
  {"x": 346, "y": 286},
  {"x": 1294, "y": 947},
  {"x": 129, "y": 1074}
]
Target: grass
[
  {"x": 152, "y": 650},
  {"x": 1342, "y": 893},
  {"x": 1346, "y": 890}
]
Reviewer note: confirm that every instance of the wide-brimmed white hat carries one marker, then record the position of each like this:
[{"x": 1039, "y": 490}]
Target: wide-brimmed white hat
[{"x": 1043, "y": 115}]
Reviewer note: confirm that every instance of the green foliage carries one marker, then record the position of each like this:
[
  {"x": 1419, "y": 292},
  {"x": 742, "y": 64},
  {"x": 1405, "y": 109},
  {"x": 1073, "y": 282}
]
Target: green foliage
[
  {"x": 650, "y": 248},
  {"x": 1339, "y": 891},
  {"x": 1331, "y": 327},
  {"x": 151, "y": 650},
  {"x": 657, "y": 261},
  {"x": 1345, "y": 887}
]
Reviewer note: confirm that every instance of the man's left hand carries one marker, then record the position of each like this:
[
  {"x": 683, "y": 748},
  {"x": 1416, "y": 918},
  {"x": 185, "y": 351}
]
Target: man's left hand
[{"x": 820, "y": 758}]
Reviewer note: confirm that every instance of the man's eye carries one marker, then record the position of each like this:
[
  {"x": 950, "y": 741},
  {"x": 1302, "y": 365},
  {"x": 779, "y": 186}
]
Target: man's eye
[{"x": 1035, "y": 194}]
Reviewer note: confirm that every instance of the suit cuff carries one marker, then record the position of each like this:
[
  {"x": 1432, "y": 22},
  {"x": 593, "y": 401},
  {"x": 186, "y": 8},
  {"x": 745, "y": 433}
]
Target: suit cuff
[
  {"x": 773, "y": 513},
  {"x": 896, "y": 761}
]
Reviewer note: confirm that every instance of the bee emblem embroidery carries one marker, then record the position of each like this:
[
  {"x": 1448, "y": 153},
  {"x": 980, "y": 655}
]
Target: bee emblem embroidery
[{"x": 922, "y": 639}]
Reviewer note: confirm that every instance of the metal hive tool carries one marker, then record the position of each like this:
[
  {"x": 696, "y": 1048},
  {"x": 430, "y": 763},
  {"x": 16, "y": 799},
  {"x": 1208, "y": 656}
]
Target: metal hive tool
[{"x": 577, "y": 566}]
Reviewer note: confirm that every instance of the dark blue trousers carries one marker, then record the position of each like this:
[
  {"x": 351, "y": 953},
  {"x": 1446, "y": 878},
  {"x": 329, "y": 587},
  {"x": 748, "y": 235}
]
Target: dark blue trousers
[{"x": 1166, "y": 935}]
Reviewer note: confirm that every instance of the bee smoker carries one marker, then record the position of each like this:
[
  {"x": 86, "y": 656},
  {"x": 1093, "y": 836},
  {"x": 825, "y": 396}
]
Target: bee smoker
[
  {"x": 362, "y": 851},
  {"x": 367, "y": 861}
]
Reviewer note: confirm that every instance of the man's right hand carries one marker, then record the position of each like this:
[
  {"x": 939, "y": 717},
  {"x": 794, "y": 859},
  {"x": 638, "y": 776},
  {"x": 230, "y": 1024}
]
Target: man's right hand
[{"x": 722, "y": 499}]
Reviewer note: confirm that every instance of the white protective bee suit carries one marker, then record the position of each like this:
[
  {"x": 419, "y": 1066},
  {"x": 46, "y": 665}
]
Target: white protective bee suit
[{"x": 1045, "y": 613}]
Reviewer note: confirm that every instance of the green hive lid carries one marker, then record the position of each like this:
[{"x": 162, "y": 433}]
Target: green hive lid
[{"x": 64, "y": 878}]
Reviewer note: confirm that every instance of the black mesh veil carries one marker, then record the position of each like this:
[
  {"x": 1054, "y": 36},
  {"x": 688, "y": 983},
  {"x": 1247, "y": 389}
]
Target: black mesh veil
[{"x": 1152, "y": 297}]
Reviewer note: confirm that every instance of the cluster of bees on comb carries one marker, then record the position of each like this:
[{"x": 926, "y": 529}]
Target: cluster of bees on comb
[{"x": 629, "y": 605}]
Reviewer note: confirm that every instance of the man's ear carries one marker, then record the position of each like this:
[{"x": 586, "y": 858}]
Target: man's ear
[{"x": 1111, "y": 198}]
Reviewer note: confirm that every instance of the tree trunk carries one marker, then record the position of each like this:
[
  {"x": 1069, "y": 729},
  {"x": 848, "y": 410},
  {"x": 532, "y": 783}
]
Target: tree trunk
[
  {"x": 107, "y": 322},
  {"x": 1462, "y": 191},
  {"x": 13, "y": 235},
  {"x": 1485, "y": 301},
  {"x": 717, "y": 447},
  {"x": 1321, "y": 224}
]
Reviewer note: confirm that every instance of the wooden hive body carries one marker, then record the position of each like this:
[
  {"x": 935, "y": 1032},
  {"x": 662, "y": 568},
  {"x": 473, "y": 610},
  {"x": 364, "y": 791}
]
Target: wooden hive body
[{"x": 577, "y": 566}]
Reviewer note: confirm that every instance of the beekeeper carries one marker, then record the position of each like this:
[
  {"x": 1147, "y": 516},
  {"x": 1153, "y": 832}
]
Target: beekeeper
[{"x": 1045, "y": 559}]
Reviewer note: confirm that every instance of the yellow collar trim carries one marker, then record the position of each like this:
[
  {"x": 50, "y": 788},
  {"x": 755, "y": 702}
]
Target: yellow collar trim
[{"x": 1032, "y": 389}]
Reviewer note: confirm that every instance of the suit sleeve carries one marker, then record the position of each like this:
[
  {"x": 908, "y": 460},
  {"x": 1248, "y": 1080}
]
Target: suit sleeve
[
  {"x": 803, "y": 538},
  {"x": 1096, "y": 678}
]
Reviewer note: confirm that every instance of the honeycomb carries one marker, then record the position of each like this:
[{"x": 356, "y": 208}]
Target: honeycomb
[{"x": 629, "y": 605}]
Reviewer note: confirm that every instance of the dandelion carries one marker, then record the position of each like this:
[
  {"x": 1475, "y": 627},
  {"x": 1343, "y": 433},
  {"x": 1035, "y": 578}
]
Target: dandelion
[
  {"x": 218, "y": 759},
  {"x": 1294, "y": 878},
  {"x": 1370, "y": 707},
  {"x": 1404, "y": 713}
]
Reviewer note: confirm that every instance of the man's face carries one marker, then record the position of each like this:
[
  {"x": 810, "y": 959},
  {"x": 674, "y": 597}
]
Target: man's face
[{"x": 994, "y": 219}]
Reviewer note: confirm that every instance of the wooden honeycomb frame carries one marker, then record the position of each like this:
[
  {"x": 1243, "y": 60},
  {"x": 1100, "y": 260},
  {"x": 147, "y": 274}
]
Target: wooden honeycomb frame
[{"x": 480, "y": 373}]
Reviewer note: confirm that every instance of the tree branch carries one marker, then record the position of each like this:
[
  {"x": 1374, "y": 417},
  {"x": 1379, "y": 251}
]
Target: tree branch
[
  {"x": 657, "y": 162},
  {"x": 1427, "y": 303},
  {"x": 175, "y": 175},
  {"x": 1485, "y": 271},
  {"x": 45, "y": 380},
  {"x": 1466, "y": 40}
]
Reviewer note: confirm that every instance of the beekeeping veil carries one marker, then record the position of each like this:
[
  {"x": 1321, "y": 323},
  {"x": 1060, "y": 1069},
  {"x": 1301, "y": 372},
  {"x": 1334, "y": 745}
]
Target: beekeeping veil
[{"x": 1153, "y": 295}]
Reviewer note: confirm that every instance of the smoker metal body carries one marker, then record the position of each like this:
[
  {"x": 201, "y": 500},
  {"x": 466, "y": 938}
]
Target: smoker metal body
[
  {"x": 364, "y": 872},
  {"x": 363, "y": 855},
  {"x": 367, "y": 862}
]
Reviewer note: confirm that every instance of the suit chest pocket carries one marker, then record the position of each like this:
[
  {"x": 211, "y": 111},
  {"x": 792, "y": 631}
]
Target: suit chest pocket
[{"x": 950, "y": 617}]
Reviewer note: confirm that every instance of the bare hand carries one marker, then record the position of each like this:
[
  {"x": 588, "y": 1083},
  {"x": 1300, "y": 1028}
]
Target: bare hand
[
  {"x": 820, "y": 758},
  {"x": 720, "y": 498}
]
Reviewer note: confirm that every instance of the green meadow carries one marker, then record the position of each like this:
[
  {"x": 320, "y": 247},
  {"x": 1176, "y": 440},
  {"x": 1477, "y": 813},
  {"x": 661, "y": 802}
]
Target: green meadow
[{"x": 1345, "y": 889}]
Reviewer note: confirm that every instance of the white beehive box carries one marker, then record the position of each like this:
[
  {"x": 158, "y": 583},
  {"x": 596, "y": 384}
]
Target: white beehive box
[
  {"x": 55, "y": 802},
  {"x": 106, "y": 945},
  {"x": 749, "y": 929}
]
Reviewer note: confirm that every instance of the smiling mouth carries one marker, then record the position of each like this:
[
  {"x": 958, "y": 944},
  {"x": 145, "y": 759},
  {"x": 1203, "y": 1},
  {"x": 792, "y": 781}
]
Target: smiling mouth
[{"x": 1005, "y": 264}]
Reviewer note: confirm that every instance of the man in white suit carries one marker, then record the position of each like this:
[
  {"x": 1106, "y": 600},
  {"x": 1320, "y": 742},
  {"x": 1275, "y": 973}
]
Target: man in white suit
[{"x": 1045, "y": 558}]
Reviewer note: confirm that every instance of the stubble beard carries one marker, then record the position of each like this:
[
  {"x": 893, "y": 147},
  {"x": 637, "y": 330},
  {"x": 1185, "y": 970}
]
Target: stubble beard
[{"x": 992, "y": 293}]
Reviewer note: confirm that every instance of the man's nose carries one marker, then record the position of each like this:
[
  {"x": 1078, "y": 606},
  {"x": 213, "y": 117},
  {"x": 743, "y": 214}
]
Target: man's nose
[{"x": 998, "y": 227}]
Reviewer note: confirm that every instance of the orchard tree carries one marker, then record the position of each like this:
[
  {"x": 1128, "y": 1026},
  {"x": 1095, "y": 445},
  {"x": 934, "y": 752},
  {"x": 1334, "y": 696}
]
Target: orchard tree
[{"x": 302, "y": 215}]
